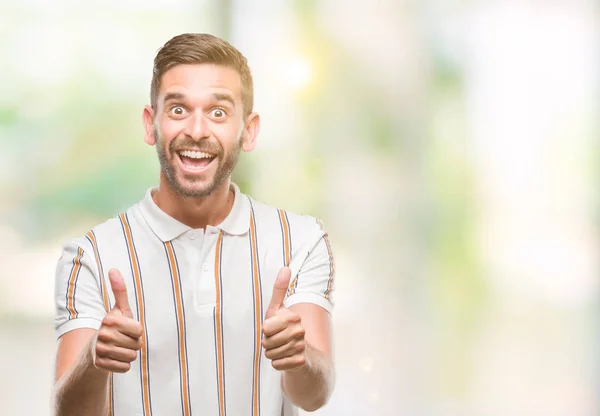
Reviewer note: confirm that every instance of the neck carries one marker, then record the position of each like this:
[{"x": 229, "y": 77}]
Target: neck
[{"x": 195, "y": 212}]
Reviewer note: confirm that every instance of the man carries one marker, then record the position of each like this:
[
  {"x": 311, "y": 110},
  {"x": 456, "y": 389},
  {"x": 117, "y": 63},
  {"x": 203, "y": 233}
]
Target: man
[{"x": 198, "y": 299}]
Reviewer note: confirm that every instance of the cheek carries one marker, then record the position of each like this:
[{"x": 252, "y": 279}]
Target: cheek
[
  {"x": 167, "y": 132},
  {"x": 228, "y": 134},
  {"x": 171, "y": 128}
]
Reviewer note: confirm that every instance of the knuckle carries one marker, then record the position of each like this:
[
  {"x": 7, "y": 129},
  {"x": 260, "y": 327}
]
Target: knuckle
[
  {"x": 299, "y": 333},
  {"x": 300, "y": 346},
  {"x": 109, "y": 320},
  {"x": 131, "y": 355},
  {"x": 101, "y": 349},
  {"x": 300, "y": 360},
  {"x": 99, "y": 362},
  {"x": 104, "y": 334},
  {"x": 122, "y": 368},
  {"x": 138, "y": 329},
  {"x": 103, "y": 364}
]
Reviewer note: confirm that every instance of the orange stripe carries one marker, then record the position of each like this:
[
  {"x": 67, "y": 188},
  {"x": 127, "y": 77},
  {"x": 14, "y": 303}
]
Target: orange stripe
[
  {"x": 286, "y": 237},
  {"x": 106, "y": 301},
  {"x": 180, "y": 325},
  {"x": 71, "y": 286},
  {"x": 141, "y": 314},
  {"x": 287, "y": 247},
  {"x": 257, "y": 317},
  {"x": 92, "y": 238},
  {"x": 332, "y": 265},
  {"x": 110, "y": 395},
  {"x": 219, "y": 326}
]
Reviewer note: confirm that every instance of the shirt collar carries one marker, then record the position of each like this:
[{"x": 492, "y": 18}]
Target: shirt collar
[{"x": 168, "y": 228}]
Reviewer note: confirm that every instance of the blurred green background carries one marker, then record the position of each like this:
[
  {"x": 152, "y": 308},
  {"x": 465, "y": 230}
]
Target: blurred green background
[{"x": 450, "y": 147}]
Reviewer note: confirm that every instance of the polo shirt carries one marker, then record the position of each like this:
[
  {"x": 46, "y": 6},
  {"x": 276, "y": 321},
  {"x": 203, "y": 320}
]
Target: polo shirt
[{"x": 201, "y": 296}]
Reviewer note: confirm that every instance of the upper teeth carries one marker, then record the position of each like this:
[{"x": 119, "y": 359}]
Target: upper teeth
[{"x": 195, "y": 155}]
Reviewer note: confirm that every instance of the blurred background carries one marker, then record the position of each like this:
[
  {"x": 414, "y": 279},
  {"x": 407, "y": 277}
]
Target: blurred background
[{"x": 451, "y": 148}]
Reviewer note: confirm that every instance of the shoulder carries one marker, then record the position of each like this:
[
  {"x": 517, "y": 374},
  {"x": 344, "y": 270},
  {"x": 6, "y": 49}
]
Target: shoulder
[
  {"x": 300, "y": 226},
  {"x": 106, "y": 231}
]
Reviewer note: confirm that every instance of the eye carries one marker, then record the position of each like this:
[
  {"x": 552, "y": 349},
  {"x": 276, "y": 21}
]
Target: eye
[
  {"x": 218, "y": 113},
  {"x": 177, "y": 110}
]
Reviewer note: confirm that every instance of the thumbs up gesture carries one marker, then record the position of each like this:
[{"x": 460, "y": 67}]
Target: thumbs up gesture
[
  {"x": 120, "y": 336},
  {"x": 283, "y": 338}
]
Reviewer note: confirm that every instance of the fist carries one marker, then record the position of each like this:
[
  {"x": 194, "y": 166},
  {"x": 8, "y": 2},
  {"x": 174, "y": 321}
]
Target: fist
[
  {"x": 283, "y": 334},
  {"x": 119, "y": 338}
]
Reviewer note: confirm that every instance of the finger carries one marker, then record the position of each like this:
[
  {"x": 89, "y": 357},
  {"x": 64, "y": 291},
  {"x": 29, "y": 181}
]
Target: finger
[
  {"x": 282, "y": 320},
  {"x": 279, "y": 290},
  {"x": 120, "y": 292},
  {"x": 112, "y": 337},
  {"x": 273, "y": 326},
  {"x": 111, "y": 366},
  {"x": 289, "y": 363},
  {"x": 287, "y": 350},
  {"x": 115, "y": 353},
  {"x": 281, "y": 338},
  {"x": 127, "y": 326}
]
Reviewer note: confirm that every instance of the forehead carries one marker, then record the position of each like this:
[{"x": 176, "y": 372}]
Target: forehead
[{"x": 195, "y": 80}]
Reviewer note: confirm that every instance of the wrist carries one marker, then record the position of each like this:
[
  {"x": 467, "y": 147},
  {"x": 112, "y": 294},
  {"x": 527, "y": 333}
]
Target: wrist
[{"x": 90, "y": 358}]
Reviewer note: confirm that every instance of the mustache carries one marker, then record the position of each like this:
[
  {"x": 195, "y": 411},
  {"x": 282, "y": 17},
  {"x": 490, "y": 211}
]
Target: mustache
[{"x": 200, "y": 146}]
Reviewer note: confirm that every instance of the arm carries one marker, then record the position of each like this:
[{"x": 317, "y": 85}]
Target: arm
[
  {"x": 297, "y": 340},
  {"x": 85, "y": 356},
  {"x": 297, "y": 329},
  {"x": 311, "y": 385},
  {"x": 80, "y": 388}
]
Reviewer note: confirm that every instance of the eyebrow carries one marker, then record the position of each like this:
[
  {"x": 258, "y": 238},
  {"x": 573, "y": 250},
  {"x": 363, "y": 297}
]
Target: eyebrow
[
  {"x": 173, "y": 96},
  {"x": 224, "y": 97},
  {"x": 217, "y": 96}
]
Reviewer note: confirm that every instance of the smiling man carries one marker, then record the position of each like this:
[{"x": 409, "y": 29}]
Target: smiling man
[{"x": 198, "y": 299}]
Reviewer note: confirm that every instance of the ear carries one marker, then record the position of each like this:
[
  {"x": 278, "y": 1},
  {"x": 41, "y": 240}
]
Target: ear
[
  {"x": 148, "y": 120},
  {"x": 250, "y": 133}
]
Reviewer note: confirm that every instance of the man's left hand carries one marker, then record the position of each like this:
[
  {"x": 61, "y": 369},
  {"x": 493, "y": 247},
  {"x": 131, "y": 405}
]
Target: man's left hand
[{"x": 283, "y": 338}]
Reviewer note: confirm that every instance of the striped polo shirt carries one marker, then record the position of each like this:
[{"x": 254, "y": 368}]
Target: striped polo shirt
[{"x": 201, "y": 296}]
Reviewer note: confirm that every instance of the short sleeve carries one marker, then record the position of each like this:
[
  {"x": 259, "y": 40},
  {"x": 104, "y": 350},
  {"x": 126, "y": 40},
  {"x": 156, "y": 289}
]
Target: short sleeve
[
  {"x": 77, "y": 295},
  {"x": 314, "y": 282}
]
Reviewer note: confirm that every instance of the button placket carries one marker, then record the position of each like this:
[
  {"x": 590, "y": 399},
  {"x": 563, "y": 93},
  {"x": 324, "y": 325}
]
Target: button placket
[{"x": 206, "y": 290}]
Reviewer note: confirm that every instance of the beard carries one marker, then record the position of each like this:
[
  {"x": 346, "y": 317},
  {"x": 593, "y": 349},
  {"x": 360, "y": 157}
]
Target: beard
[{"x": 195, "y": 186}]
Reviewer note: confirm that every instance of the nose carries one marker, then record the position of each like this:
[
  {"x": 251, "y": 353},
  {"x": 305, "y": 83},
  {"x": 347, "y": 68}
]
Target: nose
[{"x": 197, "y": 127}]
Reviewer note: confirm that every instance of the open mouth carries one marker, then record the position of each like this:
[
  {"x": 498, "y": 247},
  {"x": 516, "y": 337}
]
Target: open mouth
[{"x": 195, "y": 161}]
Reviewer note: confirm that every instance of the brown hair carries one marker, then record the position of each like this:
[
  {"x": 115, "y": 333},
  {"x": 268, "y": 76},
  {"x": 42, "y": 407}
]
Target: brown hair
[{"x": 201, "y": 48}]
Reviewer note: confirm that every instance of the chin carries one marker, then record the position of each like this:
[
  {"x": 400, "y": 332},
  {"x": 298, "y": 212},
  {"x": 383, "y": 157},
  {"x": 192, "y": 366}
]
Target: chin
[{"x": 197, "y": 190}]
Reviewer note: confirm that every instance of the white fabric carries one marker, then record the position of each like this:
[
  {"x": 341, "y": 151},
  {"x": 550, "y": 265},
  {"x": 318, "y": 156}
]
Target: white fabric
[{"x": 200, "y": 314}]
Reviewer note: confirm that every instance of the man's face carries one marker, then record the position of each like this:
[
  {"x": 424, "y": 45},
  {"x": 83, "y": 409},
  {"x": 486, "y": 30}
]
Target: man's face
[{"x": 198, "y": 127}]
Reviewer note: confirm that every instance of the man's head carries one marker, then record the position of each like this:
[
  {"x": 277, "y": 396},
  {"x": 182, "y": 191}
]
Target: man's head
[
  {"x": 202, "y": 48},
  {"x": 201, "y": 112}
]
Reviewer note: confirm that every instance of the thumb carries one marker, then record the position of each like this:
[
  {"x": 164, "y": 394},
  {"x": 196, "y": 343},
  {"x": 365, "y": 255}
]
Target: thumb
[
  {"x": 120, "y": 292},
  {"x": 279, "y": 290}
]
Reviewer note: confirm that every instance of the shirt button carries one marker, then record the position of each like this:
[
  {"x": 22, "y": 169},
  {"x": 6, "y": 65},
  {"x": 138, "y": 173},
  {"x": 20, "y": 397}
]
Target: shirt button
[
  {"x": 205, "y": 267},
  {"x": 192, "y": 236}
]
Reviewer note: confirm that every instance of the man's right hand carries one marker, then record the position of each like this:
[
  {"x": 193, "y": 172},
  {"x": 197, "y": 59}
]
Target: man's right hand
[{"x": 119, "y": 338}]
